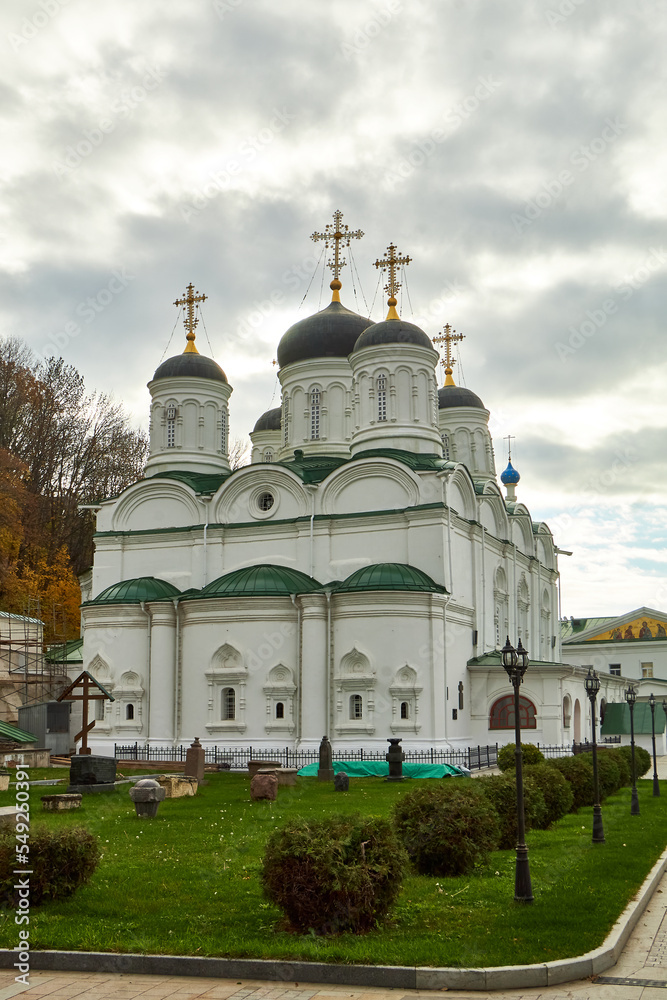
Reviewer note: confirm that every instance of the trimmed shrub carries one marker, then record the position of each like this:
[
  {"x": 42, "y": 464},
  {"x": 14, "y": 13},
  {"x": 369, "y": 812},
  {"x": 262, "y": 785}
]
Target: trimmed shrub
[
  {"x": 580, "y": 776},
  {"x": 501, "y": 792},
  {"x": 448, "y": 828},
  {"x": 642, "y": 760},
  {"x": 558, "y": 796},
  {"x": 60, "y": 861},
  {"x": 340, "y": 874},
  {"x": 609, "y": 773},
  {"x": 507, "y": 760},
  {"x": 621, "y": 762}
]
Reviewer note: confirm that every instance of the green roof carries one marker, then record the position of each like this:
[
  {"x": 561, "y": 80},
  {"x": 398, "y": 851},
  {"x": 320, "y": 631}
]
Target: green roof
[
  {"x": 421, "y": 463},
  {"x": 15, "y": 735},
  {"x": 571, "y": 627},
  {"x": 66, "y": 652},
  {"x": 389, "y": 576},
  {"x": 142, "y": 588},
  {"x": 200, "y": 482},
  {"x": 312, "y": 468},
  {"x": 258, "y": 581},
  {"x": 617, "y": 719}
]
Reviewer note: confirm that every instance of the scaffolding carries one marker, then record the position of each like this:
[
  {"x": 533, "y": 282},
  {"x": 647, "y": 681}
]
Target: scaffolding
[{"x": 29, "y": 676}]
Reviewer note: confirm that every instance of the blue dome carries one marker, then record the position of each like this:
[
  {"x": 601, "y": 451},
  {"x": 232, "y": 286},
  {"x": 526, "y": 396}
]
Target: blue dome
[{"x": 510, "y": 475}]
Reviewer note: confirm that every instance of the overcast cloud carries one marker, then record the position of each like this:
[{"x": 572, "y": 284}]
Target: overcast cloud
[{"x": 517, "y": 152}]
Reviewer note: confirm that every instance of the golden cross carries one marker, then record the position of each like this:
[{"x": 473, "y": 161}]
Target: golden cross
[
  {"x": 339, "y": 235},
  {"x": 391, "y": 261},
  {"x": 190, "y": 321},
  {"x": 448, "y": 337}
]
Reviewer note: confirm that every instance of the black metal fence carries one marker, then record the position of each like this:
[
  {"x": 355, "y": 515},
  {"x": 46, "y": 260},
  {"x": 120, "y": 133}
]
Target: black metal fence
[{"x": 474, "y": 758}]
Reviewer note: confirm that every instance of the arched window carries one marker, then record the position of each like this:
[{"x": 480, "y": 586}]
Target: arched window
[
  {"x": 223, "y": 431},
  {"x": 129, "y": 712},
  {"x": 285, "y": 420},
  {"x": 171, "y": 426},
  {"x": 356, "y": 706},
  {"x": 382, "y": 397},
  {"x": 228, "y": 704},
  {"x": 405, "y": 710},
  {"x": 280, "y": 710},
  {"x": 268, "y": 455},
  {"x": 315, "y": 401},
  {"x": 502, "y": 713}
]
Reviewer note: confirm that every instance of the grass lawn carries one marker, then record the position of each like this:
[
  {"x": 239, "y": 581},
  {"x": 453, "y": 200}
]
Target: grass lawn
[{"x": 188, "y": 882}]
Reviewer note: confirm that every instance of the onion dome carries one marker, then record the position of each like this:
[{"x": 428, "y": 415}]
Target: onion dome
[
  {"x": 259, "y": 581},
  {"x": 393, "y": 331},
  {"x": 457, "y": 395},
  {"x": 330, "y": 333},
  {"x": 510, "y": 477},
  {"x": 142, "y": 588},
  {"x": 190, "y": 365},
  {"x": 269, "y": 421},
  {"x": 389, "y": 576}
]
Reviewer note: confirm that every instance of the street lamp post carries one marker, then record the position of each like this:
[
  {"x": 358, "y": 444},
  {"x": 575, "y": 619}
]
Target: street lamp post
[
  {"x": 592, "y": 685},
  {"x": 656, "y": 783},
  {"x": 631, "y": 698},
  {"x": 515, "y": 662}
]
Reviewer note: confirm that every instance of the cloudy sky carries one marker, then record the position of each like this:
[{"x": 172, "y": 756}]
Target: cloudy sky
[{"x": 516, "y": 151}]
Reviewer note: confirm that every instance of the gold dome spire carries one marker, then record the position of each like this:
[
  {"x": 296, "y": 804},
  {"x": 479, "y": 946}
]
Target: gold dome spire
[
  {"x": 448, "y": 337},
  {"x": 190, "y": 321},
  {"x": 391, "y": 261},
  {"x": 339, "y": 234}
]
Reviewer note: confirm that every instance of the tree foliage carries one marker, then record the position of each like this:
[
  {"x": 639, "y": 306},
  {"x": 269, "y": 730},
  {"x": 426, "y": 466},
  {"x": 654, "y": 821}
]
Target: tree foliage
[{"x": 60, "y": 447}]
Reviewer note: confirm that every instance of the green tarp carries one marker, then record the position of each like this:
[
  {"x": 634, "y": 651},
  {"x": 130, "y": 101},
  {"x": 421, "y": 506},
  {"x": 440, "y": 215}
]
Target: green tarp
[{"x": 380, "y": 768}]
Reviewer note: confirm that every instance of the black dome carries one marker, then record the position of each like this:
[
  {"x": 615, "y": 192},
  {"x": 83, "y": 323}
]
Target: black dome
[
  {"x": 331, "y": 333},
  {"x": 456, "y": 395},
  {"x": 269, "y": 421},
  {"x": 190, "y": 365},
  {"x": 393, "y": 331}
]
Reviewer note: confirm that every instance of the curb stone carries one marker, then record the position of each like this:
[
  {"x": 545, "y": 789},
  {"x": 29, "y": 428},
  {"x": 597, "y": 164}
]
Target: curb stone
[{"x": 403, "y": 977}]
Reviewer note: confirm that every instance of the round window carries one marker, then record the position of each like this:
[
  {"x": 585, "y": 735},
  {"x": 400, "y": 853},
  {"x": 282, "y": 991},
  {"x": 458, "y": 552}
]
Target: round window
[{"x": 265, "y": 501}]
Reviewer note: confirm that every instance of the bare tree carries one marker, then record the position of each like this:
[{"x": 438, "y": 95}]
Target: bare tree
[{"x": 239, "y": 453}]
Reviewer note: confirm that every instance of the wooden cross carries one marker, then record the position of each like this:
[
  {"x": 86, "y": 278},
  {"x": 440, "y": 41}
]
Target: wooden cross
[
  {"x": 84, "y": 682},
  {"x": 340, "y": 235},
  {"x": 448, "y": 337},
  {"x": 190, "y": 321},
  {"x": 391, "y": 261}
]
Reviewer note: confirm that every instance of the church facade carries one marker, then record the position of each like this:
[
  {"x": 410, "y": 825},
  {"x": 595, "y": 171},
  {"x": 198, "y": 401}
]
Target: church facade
[{"x": 357, "y": 579}]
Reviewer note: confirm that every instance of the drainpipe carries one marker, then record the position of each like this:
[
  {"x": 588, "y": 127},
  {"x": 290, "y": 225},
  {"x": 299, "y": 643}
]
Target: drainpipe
[
  {"x": 298, "y": 668},
  {"x": 145, "y": 610}
]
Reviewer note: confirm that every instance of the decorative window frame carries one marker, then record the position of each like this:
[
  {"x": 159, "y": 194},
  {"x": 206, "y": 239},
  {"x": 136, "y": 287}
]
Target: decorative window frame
[
  {"x": 405, "y": 688},
  {"x": 218, "y": 677},
  {"x": 355, "y": 676},
  {"x": 280, "y": 686},
  {"x": 128, "y": 692}
]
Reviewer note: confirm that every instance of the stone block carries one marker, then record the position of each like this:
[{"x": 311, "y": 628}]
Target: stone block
[
  {"x": 264, "y": 786},
  {"x": 8, "y": 815},
  {"x": 90, "y": 769},
  {"x": 177, "y": 786},
  {"x": 194, "y": 760},
  {"x": 255, "y": 765},
  {"x": 61, "y": 803},
  {"x": 342, "y": 782},
  {"x": 4, "y": 782},
  {"x": 286, "y": 775}
]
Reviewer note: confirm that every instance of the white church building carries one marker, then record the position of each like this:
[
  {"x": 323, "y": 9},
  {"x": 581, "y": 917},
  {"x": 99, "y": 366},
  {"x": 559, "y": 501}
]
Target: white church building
[{"x": 357, "y": 579}]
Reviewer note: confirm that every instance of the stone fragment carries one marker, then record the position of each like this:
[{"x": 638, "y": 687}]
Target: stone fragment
[
  {"x": 61, "y": 803},
  {"x": 177, "y": 786},
  {"x": 147, "y": 796},
  {"x": 256, "y": 765},
  {"x": 264, "y": 786},
  {"x": 342, "y": 782}
]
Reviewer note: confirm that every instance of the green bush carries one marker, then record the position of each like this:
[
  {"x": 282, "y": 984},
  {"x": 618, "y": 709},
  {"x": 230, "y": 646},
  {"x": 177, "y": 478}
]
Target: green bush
[
  {"x": 558, "y": 795},
  {"x": 580, "y": 776},
  {"x": 609, "y": 773},
  {"x": 621, "y": 762},
  {"x": 507, "y": 760},
  {"x": 448, "y": 828},
  {"x": 642, "y": 760},
  {"x": 340, "y": 874},
  {"x": 60, "y": 862},
  {"x": 501, "y": 792}
]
